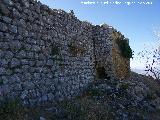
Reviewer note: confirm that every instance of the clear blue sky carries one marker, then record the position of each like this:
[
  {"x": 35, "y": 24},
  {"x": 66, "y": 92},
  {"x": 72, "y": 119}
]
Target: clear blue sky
[{"x": 136, "y": 22}]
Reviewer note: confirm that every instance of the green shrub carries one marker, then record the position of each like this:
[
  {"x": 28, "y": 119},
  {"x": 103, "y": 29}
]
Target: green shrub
[
  {"x": 75, "y": 49},
  {"x": 124, "y": 47}
]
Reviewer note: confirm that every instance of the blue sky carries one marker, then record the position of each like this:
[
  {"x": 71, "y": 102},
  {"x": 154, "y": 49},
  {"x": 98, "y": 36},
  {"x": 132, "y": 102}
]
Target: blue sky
[{"x": 137, "y": 22}]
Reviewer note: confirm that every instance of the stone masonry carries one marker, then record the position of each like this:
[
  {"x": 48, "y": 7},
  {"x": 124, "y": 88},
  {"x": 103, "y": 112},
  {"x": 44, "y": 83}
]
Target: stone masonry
[{"x": 48, "y": 54}]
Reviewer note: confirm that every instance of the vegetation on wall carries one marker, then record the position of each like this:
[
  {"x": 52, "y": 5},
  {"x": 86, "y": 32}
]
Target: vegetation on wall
[
  {"x": 75, "y": 49},
  {"x": 55, "y": 50},
  {"x": 124, "y": 47}
]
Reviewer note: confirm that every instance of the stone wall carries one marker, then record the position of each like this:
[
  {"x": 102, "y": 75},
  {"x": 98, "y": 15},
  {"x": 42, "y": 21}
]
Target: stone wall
[
  {"x": 48, "y": 54},
  {"x": 102, "y": 48},
  {"x": 107, "y": 53},
  {"x": 121, "y": 65}
]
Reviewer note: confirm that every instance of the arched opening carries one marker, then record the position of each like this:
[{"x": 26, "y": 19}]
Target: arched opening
[{"x": 101, "y": 73}]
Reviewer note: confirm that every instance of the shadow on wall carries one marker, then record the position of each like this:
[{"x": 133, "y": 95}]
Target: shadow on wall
[{"x": 101, "y": 73}]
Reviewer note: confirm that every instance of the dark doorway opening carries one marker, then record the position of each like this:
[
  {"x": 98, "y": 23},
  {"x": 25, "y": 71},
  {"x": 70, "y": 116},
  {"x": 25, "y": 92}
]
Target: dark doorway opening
[{"x": 101, "y": 73}]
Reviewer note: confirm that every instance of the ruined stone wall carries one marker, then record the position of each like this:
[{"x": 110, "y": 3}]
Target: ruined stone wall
[
  {"x": 48, "y": 54},
  {"x": 45, "y": 54},
  {"x": 107, "y": 53},
  {"x": 102, "y": 48},
  {"x": 121, "y": 65}
]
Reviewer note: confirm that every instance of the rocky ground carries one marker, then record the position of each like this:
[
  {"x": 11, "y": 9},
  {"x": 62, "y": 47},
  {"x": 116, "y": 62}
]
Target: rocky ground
[{"x": 137, "y": 98}]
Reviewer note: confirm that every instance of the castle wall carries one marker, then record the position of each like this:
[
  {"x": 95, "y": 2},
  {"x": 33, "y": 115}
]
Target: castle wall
[
  {"x": 45, "y": 54},
  {"x": 121, "y": 65},
  {"x": 48, "y": 54},
  {"x": 107, "y": 53},
  {"x": 103, "y": 46}
]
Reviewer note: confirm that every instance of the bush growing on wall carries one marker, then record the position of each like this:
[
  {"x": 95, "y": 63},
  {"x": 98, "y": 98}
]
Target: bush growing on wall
[
  {"x": 75, "y": 49},
  {"x": 124, "y": 47}
]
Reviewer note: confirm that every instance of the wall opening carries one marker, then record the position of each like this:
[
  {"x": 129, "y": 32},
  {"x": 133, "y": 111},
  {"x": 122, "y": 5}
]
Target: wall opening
[{"x": 101, "y": 73}]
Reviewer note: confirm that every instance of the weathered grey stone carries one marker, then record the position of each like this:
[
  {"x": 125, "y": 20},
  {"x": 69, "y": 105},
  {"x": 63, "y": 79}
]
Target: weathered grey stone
[
  {"x": 42, "y": 57},
  {"x": 3, "y": 27},
  {"x": 2, "y": 70},
  {"x": 44, "y": 98},
  {"x": 30, "y": 55},
  {"x": 25, "y": 68},
  {"x": 42, "y": 118},
  {"x": 22, "y": 31},
  {"x": 9, "y": 72},
  {"x": 50, "y": 75},
  {"x": 25, "y": 3},
  {"x": 21, "y": 23},
  {"x": 32, "y": 69},
  {"x": 40, "y": 63},
  {"x": 6, "y": 19},
  {"x": 58, "y": 96},
  {"x": 8, "y": 37},
  {"x": 12, "y": 28},
  {"x": 32, "y": 102},
  {"x": 16, "y": 14},
  {"x": 24, "y": 94},
  {"x": 41, "y": 43},
  {"x": 50, "y": 96},
  {"x": 14, "y": 78},
  {"x": 25, "y": 33},
  {"x": 24, "y": 62},
  {"x": 15, "y": 45},
  {"x": 32, "y": 63},
  {"x": 28, "y": 47},
  {"x": 50, "y": 62},
  {"x": 5, "y": 79},
  {"x": 36, "y": 48},
  {"x": 53, "y": 69},
  {"x": 1, "y": 35},
  {"x": 52, "y": 87},
  {"x": 18, "y": 37},
  {"x": 32, "y": 94},
  {"x": 4, "y": 62},
  {"x": 28, "y": 85},
  {"x": 37, "y": 76},
  {"x": 8, "y": 55},
  {"x": 14, "y": 63},
  {"x": 5, "y": 89},
  {"x": 30, "y": 18},
  {"x": 8, "y": 2},
  {"x": 4, "y": 46},
  {"x": 27, "y": 76},
  {"x": 21, "y": 54},
  {"x": 37, "y": 5},
  {"x": 17, "y": 70},
  {"x": 1, "y": 54},
  {"x": 17, "y": 87}
]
